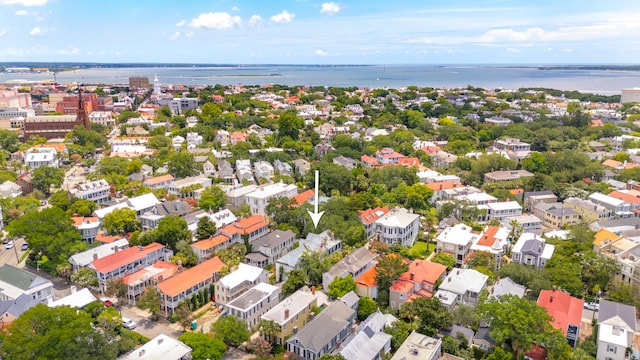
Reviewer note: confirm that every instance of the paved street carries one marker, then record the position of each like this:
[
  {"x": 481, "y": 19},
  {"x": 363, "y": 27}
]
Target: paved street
[
  {"x": 150, "y": 328},
  {"x": 8, "y": 256}
]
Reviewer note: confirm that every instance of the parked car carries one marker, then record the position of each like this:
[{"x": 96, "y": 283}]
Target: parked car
[
  {"x": 5, "y": 241},
  {"x": 128, "y": 323},
  {"x": 10, "y": 244},
  {"x": 593, "y": 306},
  {"x": 108, "y": 303},
  {"x": 24, "y": 247}
]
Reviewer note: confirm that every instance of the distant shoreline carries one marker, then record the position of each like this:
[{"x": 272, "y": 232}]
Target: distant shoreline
[{"x": 69, "y": 66}]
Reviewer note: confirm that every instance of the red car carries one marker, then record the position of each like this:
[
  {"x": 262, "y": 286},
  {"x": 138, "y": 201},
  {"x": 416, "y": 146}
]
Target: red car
[{"x": 107, "y": 303}]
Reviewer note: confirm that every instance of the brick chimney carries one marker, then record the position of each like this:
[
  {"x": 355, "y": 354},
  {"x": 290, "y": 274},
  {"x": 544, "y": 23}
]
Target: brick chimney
[
  {"x": 286, "y": 314},
  {"x": 411, "y": 276}
]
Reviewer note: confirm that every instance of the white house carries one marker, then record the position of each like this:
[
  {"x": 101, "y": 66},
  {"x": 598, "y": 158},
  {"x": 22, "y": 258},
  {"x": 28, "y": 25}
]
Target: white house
[
  {"x": 236, "y": 283},
  {"x": 15, "y": 282},
  {"x": 259, "y": 198},
  {"x": 530, "y": 249},
  {"x": 36, "y": 157},
  {"x": 96, "y": 191},
  {"x": 254, "y": 303},
  {"x": 466, "y": 286},
  {"x": 398, "y": 226}
]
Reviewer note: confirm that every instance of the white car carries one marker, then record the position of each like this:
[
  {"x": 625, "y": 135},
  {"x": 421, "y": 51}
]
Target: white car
[
  {"x": 128, "y": 323},
  {"x": 10, "y": 244},
  {"x": 593, "y": 306}
]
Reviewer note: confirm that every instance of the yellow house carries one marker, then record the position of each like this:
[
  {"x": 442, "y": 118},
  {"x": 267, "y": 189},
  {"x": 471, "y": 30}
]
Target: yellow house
[{"x": 290, "y": 315}]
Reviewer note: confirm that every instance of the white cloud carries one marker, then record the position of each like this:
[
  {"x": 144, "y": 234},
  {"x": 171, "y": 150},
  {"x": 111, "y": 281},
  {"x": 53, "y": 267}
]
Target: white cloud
[
  {"x": 330, "y": 8},
  {"x": 505, "y": 35},
  {"x": 21, "y": 13},
  {"x": 283, "y": 17},
  {"x": 36, "y": 31},
  {"x": 188, "y": 35},
  {"x": 215, "y": 21},
  {"x": 2, "y": 32},
  {"x": 321, "y": 52},
  {"x": 69, "y": 50},
  {"x": 255, "y": 21},
  {"x": 181, "y": 23},
  {"x": 235, "y": 8},
  {"x": 513, "y": 50},
  {"x": 24, "y": 2},
  {"x": 174, "y": 36}
]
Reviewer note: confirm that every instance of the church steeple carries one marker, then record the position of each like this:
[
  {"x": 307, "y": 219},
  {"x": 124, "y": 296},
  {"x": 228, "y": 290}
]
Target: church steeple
[{"x": 82, "y": 117}]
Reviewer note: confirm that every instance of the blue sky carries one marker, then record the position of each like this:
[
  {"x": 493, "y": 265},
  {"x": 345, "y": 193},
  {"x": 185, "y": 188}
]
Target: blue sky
[{"x": 321, "y": 32}]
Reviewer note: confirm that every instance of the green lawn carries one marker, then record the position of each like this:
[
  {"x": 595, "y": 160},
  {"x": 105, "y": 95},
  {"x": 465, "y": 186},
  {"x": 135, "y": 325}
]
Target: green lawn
[{"x": 418, "y": 250}]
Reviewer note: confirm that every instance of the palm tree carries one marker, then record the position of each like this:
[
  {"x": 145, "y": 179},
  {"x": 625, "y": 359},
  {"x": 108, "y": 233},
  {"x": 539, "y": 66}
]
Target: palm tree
[{"x": 268, "y": 329}]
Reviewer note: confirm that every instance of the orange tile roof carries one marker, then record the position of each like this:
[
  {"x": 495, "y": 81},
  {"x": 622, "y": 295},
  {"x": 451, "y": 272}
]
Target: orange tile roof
[
  {"x": 618, "y": 164},
  {"x": 604, "y": 235},
  {"x": 564, "y": 308},
  {"x": 245, "y": 225},
  {"x": 159, "y": 179},
  {"x": 424, "y": 271},
  {"x": 368, "y": 216},
  {"x": 401, "y": 285},
  {"x": 169, "y": 270},
  {"x": 79, "y": 220},
  {"x": 430, "y": 149},
  {"x": 443, "y": 185},
  {"x": 409, "y": 161},
  {"x": 368, "y": 278},
  {"x": 188, "y": 278},
  {"x": 488, "y": 236},
  {"x": 302, "y": 198},
  {"x": 107, "y": 239},
  {"x": 370, "y": 160},
  {"x": 625, "y": 197},
  {"x": 123, "y": 257},
  {"x": 211, "y": 242},
  {"x": 59, "y": 147}
]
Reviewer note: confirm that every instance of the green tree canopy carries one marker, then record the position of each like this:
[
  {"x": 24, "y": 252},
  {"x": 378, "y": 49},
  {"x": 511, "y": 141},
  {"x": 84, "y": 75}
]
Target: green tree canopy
[
  {"x": 366, "y": 307},
  {"x": 212, "y": 199},
  {"x": 204, "y": 346},
  {"x": 340, "y": 286},
  {"x": 182, "y": 164},
  {"x": 60, "y": 332},
  {"x": 45, "y": 177},
  {"x": 49, "y": 232},
  {"x": 121, "y": 221},
  {"x": 517, "y": 321},
  {"x": 206, "y": 228},
  {"x": 231, "y": 330}
]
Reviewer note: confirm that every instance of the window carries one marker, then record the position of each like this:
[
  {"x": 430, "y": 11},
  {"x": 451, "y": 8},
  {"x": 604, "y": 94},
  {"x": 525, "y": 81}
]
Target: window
[{"x": 611, "y": 348}]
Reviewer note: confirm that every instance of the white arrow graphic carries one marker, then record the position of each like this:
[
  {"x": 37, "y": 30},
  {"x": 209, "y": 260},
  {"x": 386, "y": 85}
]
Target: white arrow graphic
[{"x": 315, "y": 215}]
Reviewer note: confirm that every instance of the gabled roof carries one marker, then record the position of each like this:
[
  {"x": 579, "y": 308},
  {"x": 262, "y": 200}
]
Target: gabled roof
[
  {"x": 604, "y": 236},
  {"x": 158, "y": 179},
  {"x": 243, "y": 273},
  {"x": 302, "y": 198},
  {"x": 244, "y": 226},
  {"x": 324, "y": 327},
  {"x": 21, "y": 279},
  {"x": 610, "y": 309},
  {"x": 628, "y": 198},
  {"x": 211, "y": 242},
  {"x": 424, "y": 271},
  {"x": 124, "y": 257},
  {"x": 368, "y": 216},
  {"x": 368, "y": 278},
  {"x": 460, "y": 281},
  {"x": 188, "y": 278},
  {"x": 563, "y": 308}
]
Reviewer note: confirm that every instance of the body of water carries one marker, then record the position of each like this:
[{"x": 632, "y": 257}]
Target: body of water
[{"x": 607, "y": 82}]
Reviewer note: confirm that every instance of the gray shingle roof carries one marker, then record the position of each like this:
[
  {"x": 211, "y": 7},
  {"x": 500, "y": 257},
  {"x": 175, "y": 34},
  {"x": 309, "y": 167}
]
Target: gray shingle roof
[{"x": 321, "y": 330}]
